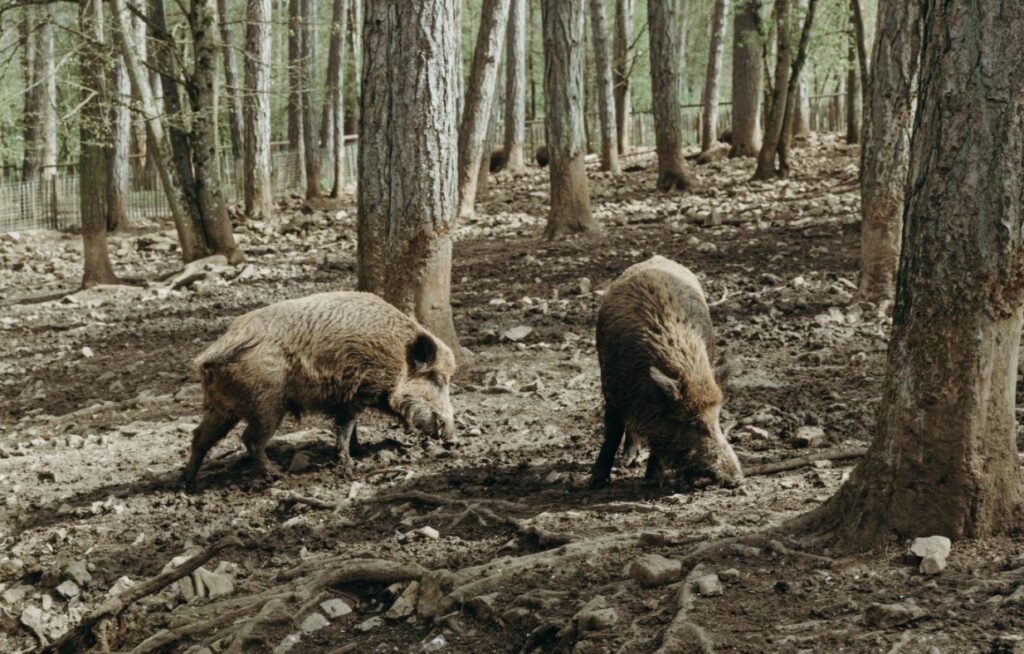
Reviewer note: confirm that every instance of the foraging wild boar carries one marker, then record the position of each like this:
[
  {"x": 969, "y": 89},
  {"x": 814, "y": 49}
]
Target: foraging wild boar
[
  {"x": 656, "y": 346},
  {"x": 541, "y": 155},
  {"x": 331, "y": 353},
  {"x": 497, "y": 159}
]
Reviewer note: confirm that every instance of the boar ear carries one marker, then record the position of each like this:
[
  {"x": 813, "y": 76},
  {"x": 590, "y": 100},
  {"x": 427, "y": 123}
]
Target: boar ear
[
  {"x": 668, "y": 386},
  {"x": 422, "y": 352}
]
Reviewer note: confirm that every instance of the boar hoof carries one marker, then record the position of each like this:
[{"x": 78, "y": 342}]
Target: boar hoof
[
  {"x": 599, "y": 481},
  {"x": 270, "y": 470}
]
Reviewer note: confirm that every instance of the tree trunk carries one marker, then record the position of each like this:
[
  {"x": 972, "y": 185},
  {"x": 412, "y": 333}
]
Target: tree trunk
[
  {"x": 664, "y": 21},
  {"x": 46, "y": 77},
  {"x": 515, "y": 87},
  {"x": 408, "y": 135},
  {"x": 491, "y": 140},
  {"x": 746, "y": 79},
  {"x": 605, "y": 93},
  {"x": 563, "y": 98},
  {"x": 801, "y": 100},
  {"x": 231, "y": 81},
  {"x": 944, "y": 457},
  {"x": 92, "y": 59},
  {"x": 795, "y": 74},
  {"x": 481, "y": 91},
  {"x": 335, "y": 91},
  {"x": 160, "y": 149},
  {"x": 120, "y": 115},
  {"x": 853, "y": 105},
  {"x": 259, "y": 200},
  {"x": 213, "y": 209},
  {"x": 860, "y": 41},
  {"x": 622, "y": 43},
  {"x": 30, "y": 110},
  {"x": 355, "y": 38},
  {"x": 310, "y": 147},
  {"x": 716, "y": 50},
  {"x": 296, "y": 139},
  {"x": 776, "y": 115},
  {"x": 139, "y": 160},
  {"x": 885, "y": 154}
]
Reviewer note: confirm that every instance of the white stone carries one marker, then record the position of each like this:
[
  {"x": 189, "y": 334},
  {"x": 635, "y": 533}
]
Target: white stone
[
  {"x": 369, "y": 625},
  {"x": 313, "y": 622},
  {"x": 335, "y": 608},
  {"x": 655, "y": 570},
  {"x": 120, "y": 586},
  {"x": 709, "y": 585}
]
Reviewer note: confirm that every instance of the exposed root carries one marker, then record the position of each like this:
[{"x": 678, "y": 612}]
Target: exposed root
[
  {"x": 832, "y": 454},
  {"x": 289, "y": 498},
  {"x": 79, "y": 638},
  {"x": 683, "y": 635}
]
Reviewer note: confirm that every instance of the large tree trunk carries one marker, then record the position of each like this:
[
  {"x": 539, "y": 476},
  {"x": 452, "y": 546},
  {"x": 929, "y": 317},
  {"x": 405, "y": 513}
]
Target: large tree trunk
[
  {"x": 716, "y": 50},
  {"x": 259, "y": 200},
  {"x": 120, "y": 115},
  {"x": 231, "y": 81},
  {"x": 605, "y": 93},
  {"x": 853, "y": 104},
  {"x": 408, "y": 136},
  {"x": 30, "y": 111},
  {"x": 481, "y": 91},
  {"x": 563, "y": 97},
  {"x": 792, "y": 96},
  {"x": 213, "y": 208},
  {"x": 886, "y": 151},
  {"x": 296, "y": 138},
  {"x": 335, "y": 93},
  {"x": 665, "y": 21},
  {"x": 780, "y": 90},
  {"x": 515, "y": 87},
  {"x": 355, "y": 39},
  {"x": 92, "y": 59},
  {"x": 944, "y": 457},
  {"x": 138, "y": 159},
  {"x": 46, "y": 77},
  {"x": 622, "y": 43},
  {"x": 159, "y": 146},
  {"x": 746, "y": 79},
  {"x": 310, "y": 147}
]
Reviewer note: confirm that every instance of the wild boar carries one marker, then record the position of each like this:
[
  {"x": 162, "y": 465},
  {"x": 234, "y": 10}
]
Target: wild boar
[
  {"x": 656, "y": 345},
  {"x": 498, "y": 159},
  {"x": 331, "y": 353},
  {"x": 541, "y": 155}
]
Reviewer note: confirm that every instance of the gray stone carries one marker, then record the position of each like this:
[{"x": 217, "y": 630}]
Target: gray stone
[
  {"x": 15, "y": 594},
  {"x": 313, "y": 622},
  {"x": 892, "y": 615},
  {"x": 69, "y": 589},
  {"x": 33, "y": 618},
  {"x": 655, "y": 570},
  {"x": 369, "y": 625},
  {"x": 435, "y": 644},
  {"x": 596, "y": 615},
  {"x": 517, "y": 333},
  {"x": 809, "y": 436},
  {"x": 78, "y": 572},
  {"x": 335, "y": 608},
  {"x": 120, "y": 586},
  {"x": 299, "y": 463},
  {"x": 933, "y": 551},
  {"x": 730, "y": 574},
  {"x": 405, "y": 605},
  {"x": 212, "y": 584},
  {"x": 709, "y": 585},
  {"x": 482, "y": 606},
  {"x": 287, "y": 643}
]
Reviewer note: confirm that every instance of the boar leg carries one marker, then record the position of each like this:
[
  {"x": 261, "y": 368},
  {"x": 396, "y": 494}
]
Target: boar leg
[
  {"x": 344, "y": 435},
  {"x": 213, "y": 428},
  {"x": 257, "y": 434},
  {"x": 630, "y": 451},
  {"x": 655, "y": 473},
  {"x": 601, "y": 473}
]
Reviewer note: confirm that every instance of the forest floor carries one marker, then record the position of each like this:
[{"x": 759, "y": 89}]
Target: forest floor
[{"x": 494, "y": 543}]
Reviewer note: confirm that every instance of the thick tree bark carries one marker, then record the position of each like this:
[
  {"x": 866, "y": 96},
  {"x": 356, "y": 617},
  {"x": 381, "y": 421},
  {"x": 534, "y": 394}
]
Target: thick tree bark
[
  {"x": 310, "y": 147},
  {"x": 716, "y": 51},
  {"x": 795, "y": 74},
  {"x": 780, "y": 90},
  {"x": 515, "y": 87},
  {"x": 665, "y": 21},
  {"x": 46, "y": 77},
  {"x": 296, "y": 138},
  {"x": 622, "y": 43},
  {"x": 92, "y": 150},
  {"x": 853, "y": 105},
  {"x": 563, "y": 97},
  {"x": 138, "y": 159},
  {"x": 480, "y": 95},
  {"x": 885, "y": 154},
  {"x": 259, "y": 201},
  {"x": 231, "y": 80},
  {"x": 408, "y": 136},
  {"x": 160, "y": 149},
  {"x": 605, "y": 92},
  {"x": 944, "y": 457},
  {"x": 30, "y": 111},
  {"x": 746, "y": 79},
  {"x": 335, "y": 93},
  {"x": 120, "y": 115},
  {"x": 355, "y": 40},
  {"x": 860, "y": 41},
  {"x": 801, "y": 122}
]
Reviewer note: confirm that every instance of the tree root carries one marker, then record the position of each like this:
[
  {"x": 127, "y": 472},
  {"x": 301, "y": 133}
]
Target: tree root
[
  {"x": 684, "y": 635},
  {"x": 832, "y": 454},
  {"x": 78, "y": 638}
]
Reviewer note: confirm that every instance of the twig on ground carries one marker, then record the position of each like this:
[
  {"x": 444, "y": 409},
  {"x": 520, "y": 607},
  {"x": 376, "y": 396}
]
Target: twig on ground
[
  {"x": 72, "y": 640},
  {"x": 833, "y": 454}
]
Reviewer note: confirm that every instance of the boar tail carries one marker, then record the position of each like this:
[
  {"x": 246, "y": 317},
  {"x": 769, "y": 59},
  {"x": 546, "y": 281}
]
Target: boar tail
[{"x": 219, "y": 355}]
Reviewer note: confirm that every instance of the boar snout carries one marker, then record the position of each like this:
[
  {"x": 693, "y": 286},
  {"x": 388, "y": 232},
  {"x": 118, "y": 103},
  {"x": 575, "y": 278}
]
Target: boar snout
[{"x": 725, "y": 467}]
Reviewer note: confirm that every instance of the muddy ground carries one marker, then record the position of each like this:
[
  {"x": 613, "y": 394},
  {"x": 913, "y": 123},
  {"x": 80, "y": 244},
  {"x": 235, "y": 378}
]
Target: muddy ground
[{"x": 99, "y": 398}]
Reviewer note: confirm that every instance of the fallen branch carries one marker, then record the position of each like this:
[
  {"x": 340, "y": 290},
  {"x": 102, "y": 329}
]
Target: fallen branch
[
  {"x": 684, "y": 635},
  {"x": 75, "y": 639},
  {"x": 834, "y": 454},
  {"x": 290, "y": 497}
]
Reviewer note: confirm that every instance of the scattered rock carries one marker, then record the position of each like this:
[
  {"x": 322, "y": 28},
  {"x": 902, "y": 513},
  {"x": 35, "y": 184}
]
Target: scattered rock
[
  {"x": 78, "y": 572},
  {"x": 87, "y": 352},
  {"x": 336, "y": 607},
  {"x": 429, "y": 533},
  {"x": 517, "y": 333},
  {"x": 596, "y": 615},
  {"x": 369, "y": 625},
  {"x": 655, "y": 570},
  {"x": 299, "y": 463},
  {"x": 892, "y": 615},
  {"x": 287, "y": 643},
  {"x": 69, "y": 589},
  {"x": 212, "y": 585},
  {"x": 405, "y": 605},
  {"x": 809, "y": 436},
  {"x": 482, "y": 606},
  {"x": 15, "y": 594},
  {"x": 34, "y": 618},
  {"x": 120, "y": 586},
  {"x": 709, "y": 585},
  {"x": 435, "y": 644},
  {"x": 585, "y": 285},
  {"x": 313, "y": 622},
  {"x": 933, "y": 551}
]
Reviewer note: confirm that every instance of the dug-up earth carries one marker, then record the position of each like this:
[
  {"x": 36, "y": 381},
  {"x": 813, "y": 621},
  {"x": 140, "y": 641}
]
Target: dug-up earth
[{"x": 493, "y": 543}]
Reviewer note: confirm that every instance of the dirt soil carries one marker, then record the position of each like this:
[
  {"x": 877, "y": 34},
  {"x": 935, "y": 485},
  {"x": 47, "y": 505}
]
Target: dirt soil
[{"x": 100, "y": 397}]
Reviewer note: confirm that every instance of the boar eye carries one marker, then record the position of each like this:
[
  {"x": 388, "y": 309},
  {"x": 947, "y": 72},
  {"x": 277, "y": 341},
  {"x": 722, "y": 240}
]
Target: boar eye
[{"x": 436, "y": 379}]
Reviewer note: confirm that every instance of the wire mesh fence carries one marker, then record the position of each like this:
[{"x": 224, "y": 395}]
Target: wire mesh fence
[{"x": 53, "y": 202}]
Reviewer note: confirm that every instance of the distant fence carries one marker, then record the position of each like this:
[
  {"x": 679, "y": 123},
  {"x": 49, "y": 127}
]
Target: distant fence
[{"x": 54, "y": 203}]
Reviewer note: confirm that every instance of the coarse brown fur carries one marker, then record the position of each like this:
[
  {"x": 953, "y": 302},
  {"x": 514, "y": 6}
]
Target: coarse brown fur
[
  {"x": 541, "y": 155},
  {"x": 656, "y": 346},
  {"x": 498, "y": 159},
  {"x": 331, "y": 353}
]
